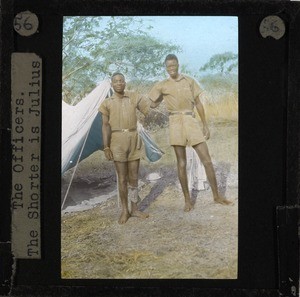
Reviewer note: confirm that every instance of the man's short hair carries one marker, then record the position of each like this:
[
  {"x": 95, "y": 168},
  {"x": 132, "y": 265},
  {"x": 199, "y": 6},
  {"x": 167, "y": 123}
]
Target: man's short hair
[
  {"x": 171, "y": 57},
  {"x": 117, "y": 73}
]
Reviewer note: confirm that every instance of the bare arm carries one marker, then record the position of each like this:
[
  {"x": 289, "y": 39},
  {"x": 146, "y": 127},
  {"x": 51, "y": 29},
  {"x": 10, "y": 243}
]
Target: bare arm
[
  {"x": 156, "y": 95},
  {"x": 106, "y": 133},
  {"x": 201, "y": 112}
]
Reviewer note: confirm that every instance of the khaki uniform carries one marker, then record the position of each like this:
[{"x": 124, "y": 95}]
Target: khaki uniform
[
  {"x": 125, "y": 145},
  {"x": 179, "y": 96}
]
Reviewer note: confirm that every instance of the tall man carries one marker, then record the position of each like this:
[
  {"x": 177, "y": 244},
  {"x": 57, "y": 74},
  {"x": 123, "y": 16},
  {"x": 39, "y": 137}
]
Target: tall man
[
  {"x": 121, "y": 141},
  {"x": 181, "y": 94}
]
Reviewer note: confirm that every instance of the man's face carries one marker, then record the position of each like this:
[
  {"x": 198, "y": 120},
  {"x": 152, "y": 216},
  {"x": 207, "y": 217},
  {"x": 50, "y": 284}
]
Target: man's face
[
  {"x": 172, "y": 67},
  {"x": 118, "y": 83}
]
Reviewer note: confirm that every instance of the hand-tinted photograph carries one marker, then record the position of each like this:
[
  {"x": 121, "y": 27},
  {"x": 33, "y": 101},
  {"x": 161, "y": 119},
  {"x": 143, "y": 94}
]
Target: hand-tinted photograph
[{"x": 149, "y": 168}]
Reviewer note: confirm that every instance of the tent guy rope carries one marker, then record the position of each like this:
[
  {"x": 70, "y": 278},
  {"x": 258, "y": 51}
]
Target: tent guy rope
[{"x": 77, "y": 162}]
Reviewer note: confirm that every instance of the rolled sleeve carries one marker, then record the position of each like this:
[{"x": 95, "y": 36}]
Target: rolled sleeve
[
  {"x": 104, "y": 108},
  {"x": 196, "y": 89},
  {"x": 155, "y": 92}
]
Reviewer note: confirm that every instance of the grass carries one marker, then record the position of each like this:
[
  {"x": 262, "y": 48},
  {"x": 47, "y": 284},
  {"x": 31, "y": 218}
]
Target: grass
[{"x": 169, "y": 244}]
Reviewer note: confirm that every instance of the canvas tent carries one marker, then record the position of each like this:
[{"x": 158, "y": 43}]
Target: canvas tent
[{"x": 82, "y": 133}]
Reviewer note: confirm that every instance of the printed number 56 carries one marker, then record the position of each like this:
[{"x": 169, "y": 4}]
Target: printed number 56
[
  {"x": 26, "y": 23},
  {"x": 21, "y": 21}
]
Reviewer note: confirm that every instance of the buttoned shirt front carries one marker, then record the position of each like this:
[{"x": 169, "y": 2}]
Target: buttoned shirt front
[
  {"x": 122, "y": 111},
  {"x": 179, "y": 94}
]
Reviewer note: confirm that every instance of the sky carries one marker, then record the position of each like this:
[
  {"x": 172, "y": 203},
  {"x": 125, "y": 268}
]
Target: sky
[{"x": 199, "y": 37}]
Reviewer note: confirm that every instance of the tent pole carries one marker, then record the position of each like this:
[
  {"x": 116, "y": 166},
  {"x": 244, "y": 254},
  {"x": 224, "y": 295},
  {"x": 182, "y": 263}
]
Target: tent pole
[{"x": 118, "y": 190}]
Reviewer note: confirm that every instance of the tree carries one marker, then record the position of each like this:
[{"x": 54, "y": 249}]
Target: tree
[
  {"x": 186, "y": 70},
  {"x": 222, "y": 63},
  {"x": 95, "y": 47}
]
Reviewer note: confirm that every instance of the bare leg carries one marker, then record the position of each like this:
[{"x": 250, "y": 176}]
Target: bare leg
[
  {"x": 203, "y": 153},
  {"x": 122, "y": 168},
  {"x": 182, "y": 175},
  {"x": 133, "y": 171}
]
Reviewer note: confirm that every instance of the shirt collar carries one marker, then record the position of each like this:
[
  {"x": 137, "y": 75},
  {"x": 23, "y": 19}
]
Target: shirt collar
[
  {"x": 114, "y": 96},
  {"x": 181, "y": 76}
]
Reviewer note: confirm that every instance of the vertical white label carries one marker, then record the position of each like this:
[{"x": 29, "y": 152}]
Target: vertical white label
[{"x": 26, "y": 86}]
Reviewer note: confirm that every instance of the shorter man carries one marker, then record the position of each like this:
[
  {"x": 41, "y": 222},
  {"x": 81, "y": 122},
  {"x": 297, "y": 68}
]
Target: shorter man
[
  {"x": 182, "y": 94},
  {"x": 122, "y": 143}
]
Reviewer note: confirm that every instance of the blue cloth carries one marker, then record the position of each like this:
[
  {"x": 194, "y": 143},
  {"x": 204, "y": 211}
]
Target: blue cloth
[{"x": 94, "y": 142}]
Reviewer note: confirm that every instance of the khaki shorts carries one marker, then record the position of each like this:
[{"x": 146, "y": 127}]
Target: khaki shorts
[
  {"x": 125, "y": 146},
  {"x": 185, "y": 130}
]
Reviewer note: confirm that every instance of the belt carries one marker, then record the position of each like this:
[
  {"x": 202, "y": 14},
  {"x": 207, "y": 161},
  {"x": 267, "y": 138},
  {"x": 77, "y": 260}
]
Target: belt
[
  {"x": 124, "y": 130},
  {"x": 182, "y": 112}
]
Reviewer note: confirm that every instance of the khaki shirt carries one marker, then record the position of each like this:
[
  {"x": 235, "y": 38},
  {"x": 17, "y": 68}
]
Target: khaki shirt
[
  {"x": 122, "y": 111},
  {"x": 179, "y": 95}
]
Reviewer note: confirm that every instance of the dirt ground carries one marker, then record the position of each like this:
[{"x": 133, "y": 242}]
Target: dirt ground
[{"x": 170, "y": 243}]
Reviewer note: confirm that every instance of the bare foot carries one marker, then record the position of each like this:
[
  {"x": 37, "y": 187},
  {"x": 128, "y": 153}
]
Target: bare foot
[
  {"x": 123, "y": 217},
  {"x": 222, "y": 200},
  {"x": 139, "y": 214},
  {"x": 136, "y": 213},
  {"x": 188, "y": 206}
]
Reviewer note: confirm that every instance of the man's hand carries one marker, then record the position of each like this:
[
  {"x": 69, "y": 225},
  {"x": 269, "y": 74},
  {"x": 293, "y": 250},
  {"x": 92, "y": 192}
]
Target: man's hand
[
  {"x": 206, "y": 132},
  {"x": 108, "y": 154}
]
